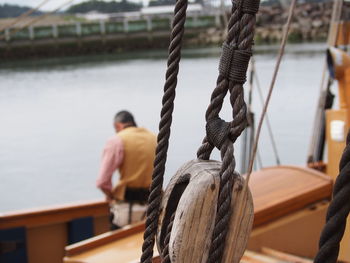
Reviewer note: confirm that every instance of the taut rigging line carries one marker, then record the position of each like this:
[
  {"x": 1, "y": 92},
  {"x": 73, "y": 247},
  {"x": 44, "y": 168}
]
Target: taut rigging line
[
  {"x": 247, "y": 144},
  {"x": 39, "y": 18},
  {"x": 22, "y": 16},
  {"x": 272, "y": 84},
  {"x": 267, "y": 119}
]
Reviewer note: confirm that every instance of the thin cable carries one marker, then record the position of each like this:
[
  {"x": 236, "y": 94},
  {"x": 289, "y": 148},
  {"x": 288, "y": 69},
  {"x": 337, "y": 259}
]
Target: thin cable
[
  {"x": 259, "y": 160},
  {"x": 273, "y": 81},
  {"x": 268, "y": 123},
  {"x": 38, "y": 18},
  {"x": 248, "y": 143},
  {"x": 24, "y": 15},
  {"x": 252, "y": 77}
]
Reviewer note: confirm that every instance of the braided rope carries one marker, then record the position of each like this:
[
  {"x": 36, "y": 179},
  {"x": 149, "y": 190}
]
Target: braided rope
[
  {"x": 337, "y": 213},
  {"x": 165, "y": 252},
  {"x": 224, "y": 203},
  {"x": 164, "y": 130},
  {"x": 216, "y": 102}
]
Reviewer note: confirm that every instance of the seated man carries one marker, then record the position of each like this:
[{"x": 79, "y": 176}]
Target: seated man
[{"x": 132, "y": 152}]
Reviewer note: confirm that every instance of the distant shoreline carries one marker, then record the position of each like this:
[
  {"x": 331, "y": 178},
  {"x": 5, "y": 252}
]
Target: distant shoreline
[
  {"x": 310, "y": 24},
  {"x": 161, "y": 54}
]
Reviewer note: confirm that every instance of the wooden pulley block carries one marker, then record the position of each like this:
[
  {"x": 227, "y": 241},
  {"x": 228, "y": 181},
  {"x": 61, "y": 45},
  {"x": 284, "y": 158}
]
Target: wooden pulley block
[{"x": 192, "y": 196}]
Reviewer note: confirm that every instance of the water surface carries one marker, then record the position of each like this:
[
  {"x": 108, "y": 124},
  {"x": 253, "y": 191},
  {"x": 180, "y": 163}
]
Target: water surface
[{"x": 56, "y": 115}]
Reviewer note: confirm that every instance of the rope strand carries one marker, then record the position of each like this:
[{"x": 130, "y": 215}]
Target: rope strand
[
  {"x": 256, "y": 141},
  {"x": 219, "y": 93},
  {"x": 154, "y": 200},
  {"x": 220, "y": 134},
  {"x": 337, "y": 213},
  {"x": 165, "y": 252}
]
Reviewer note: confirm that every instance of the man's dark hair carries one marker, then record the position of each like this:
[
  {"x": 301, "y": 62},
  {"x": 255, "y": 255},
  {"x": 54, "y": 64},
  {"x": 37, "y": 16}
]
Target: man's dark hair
[{"x": 125, "y": 117}]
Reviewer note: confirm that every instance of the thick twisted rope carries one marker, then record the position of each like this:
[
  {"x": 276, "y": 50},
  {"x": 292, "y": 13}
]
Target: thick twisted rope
[
  {"x": 337, "y": 213},
  {"x": 226, "y": 182},
  {"x": 224, "y": 203},
  {"x": 165, "y": 252},
  {"x": 239, "y": 42},
  {"x": 164, "y": 130},
  {"x": 240, "y": 207},
  {"x": 222, "y": 83}
]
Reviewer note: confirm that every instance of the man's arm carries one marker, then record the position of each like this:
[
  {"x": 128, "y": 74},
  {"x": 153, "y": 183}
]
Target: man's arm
[{"x": 112, "y": 158}]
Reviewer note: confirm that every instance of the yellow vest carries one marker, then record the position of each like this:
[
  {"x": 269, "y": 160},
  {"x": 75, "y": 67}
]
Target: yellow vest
[{"x": 137, "y": 166}]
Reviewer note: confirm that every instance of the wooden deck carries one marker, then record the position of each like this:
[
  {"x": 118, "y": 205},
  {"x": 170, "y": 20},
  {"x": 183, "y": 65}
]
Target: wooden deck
[
  {"x": 281, "y": 197},
  {"x": 280, "y": 190},
  {"x": 125, "y": 250}
]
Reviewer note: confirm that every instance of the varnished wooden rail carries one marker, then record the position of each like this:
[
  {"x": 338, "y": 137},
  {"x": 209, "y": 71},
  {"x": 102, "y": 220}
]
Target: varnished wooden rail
[
  {"x": 104, "y": 239},
  {"x": 52, "y": 215},
  {"x": 276, "y": 192},
  {"x": 280, "y": 190}
]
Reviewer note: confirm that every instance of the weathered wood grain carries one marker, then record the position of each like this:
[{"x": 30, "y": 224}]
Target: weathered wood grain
[{"x": 195, "y": 215}]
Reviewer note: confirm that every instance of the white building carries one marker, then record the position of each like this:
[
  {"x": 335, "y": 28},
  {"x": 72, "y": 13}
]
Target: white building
[
  {"x": 160, "y": 11},
  {"x": 169, "y": 9}
]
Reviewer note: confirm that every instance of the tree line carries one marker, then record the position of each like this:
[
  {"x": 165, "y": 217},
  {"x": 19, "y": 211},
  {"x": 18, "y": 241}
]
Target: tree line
[
  {"x": 7, "y": 10},
  {"x": 114, "y": 6},
  {"x": 104, "y": 7}
]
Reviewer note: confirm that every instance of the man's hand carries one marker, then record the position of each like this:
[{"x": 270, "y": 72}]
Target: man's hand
[{"x": 108, "y": 194}]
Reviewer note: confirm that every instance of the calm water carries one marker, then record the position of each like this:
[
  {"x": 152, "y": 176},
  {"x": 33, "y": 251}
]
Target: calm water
[{"x": 56, "y": 115}]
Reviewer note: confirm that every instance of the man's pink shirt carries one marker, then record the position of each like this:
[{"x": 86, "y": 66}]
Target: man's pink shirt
[{"x": 112, "y": 158}]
